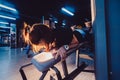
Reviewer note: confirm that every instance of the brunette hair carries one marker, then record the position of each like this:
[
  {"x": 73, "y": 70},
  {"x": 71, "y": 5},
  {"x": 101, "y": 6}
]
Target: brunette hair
[{"x": 37, "y": 34}]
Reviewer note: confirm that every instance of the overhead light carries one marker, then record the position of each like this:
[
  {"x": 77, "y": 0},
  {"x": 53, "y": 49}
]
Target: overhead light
[
  {"x": 4, "y": 23},
  {"x": 55, "y": 21},
  {"x": 63, "y": 24},
  {"x": 6, "y": 7},
  {"x": 7, "y": 17},
  {"x": 4, "y": 27},
  {"x": 67, "y": 11}
]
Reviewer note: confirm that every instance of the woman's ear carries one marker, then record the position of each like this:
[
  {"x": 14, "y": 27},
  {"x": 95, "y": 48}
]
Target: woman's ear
[{"x": 25, "y": 32}]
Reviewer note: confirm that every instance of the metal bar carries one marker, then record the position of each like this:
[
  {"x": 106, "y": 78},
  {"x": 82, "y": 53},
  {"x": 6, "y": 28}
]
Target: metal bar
[
  {"x": 77, "y": 58},
  {"x": 57, "y": 73},
  {"x": 22, "y": 72},
  {"x": 64, "y": 66},
  {"x": 43, "y": 75},
  {"x": 74, "y": 73},
  {"x": 91, "y": 71}
]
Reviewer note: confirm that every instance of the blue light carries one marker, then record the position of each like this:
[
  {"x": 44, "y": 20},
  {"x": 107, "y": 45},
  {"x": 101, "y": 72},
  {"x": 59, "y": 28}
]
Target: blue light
[
  {"x": 4, "y": 23},
  {"x": 67, "y": 11},
  {"x": 63, "y": 24},
  {"x": 9, "y": 8},
  {"x": 4, "y": 27},
  {"x": 55, "y": 21},
  {"x": 7, "y": 17}
]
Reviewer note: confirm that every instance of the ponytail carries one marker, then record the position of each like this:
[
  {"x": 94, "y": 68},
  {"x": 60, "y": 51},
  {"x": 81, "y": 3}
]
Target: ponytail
[{"x": 25, "y": 33}]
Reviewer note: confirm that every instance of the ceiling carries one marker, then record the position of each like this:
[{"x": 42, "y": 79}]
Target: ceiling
[{"x": 33, "y": 10}]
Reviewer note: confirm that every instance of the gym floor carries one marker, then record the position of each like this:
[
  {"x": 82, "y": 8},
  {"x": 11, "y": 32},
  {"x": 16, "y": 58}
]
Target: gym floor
[{"x": 12, "y": 59}]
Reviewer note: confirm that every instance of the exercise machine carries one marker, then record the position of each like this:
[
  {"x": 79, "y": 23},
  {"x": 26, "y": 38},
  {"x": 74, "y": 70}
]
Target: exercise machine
[{"x": 45, "y": 62}]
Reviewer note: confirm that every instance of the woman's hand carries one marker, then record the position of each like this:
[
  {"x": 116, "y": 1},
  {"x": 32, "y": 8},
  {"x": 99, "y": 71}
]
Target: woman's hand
[{"x": 61, "y": 52}]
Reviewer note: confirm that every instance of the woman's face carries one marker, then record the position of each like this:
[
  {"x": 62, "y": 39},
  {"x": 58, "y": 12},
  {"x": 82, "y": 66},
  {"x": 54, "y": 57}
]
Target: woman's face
[
  {"x": 51, "y": 45},
  {"x": 40, "y": 46},
  {"x": 46, "y": 46}
]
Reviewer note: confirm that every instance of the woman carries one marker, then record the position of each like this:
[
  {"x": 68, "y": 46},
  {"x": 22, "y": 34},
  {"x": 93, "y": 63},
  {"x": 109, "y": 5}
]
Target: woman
[{"x": 41, "y": 37}]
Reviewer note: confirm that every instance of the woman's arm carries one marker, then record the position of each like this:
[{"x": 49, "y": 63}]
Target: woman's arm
[{"x": 62, "y": 51}]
